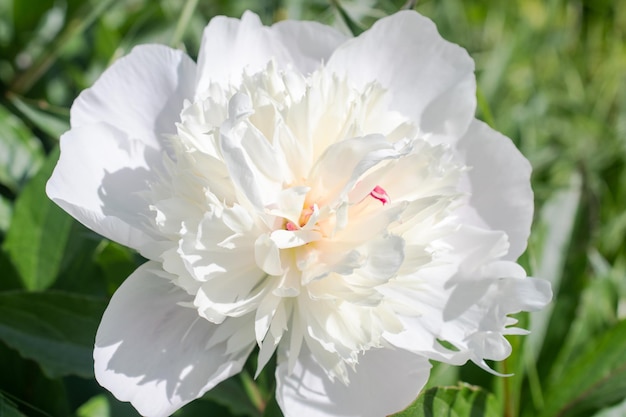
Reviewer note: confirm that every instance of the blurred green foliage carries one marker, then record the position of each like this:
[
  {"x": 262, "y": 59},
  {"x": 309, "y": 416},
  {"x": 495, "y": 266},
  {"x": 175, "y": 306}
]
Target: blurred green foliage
[{"x": 551, "y": 75}]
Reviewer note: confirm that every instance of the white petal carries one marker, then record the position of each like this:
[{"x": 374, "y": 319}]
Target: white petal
[
  {"x": 267, "y": 255},
  {"x": 485, "y": 323},
  {"x": 309, "y": 43},
  {"x": 231, "y": 45},
  {"x": 431, "y": 80},
  {"x": 384, "y": 257},
  {"x": 154, "y": 353},
  {"x": 141, "y": 94},
  {"x": 473, "y": 316},
  {"x": 285, "y": 239},
  {"x": 99, "y": 178},
  {"x": 500, "y": 189},
  {"x": 343, "y": 163},
  {"x": 385, "y": 382}
]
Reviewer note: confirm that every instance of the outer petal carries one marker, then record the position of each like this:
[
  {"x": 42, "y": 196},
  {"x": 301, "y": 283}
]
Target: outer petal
[
  {"x": 501, "y": 196},
  {"x": 431, "y": 80},
  {"x": 141, "y": 94},
  {"x": 159, "y": 355},
  {"x": 385, "y": 381},
  {"x": 230, "y": 45},
  {"x": 99, "y": 178},
  {"x": 472, "y": 315}
]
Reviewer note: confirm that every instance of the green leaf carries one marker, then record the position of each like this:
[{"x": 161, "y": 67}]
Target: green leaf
[
  {"x": 202, "y": 408},
  {"x": 556, "y": 223},
  {"x": 26, "y": 15},
  {"x": 6, "y": 211},
  {"x": 116, "y": 263},
  {"x": 231, "y": 395},
  {"x": 54, "y": 329},
  {"x": 460, "y": 401},
  {"x": 79, "y": 272},
  {"x": 354, "y": 27},
  {"x": 618, "y": 410},
  {"x": 596, "y": 379},
  {"x": 21, "y": 153},
  {"x": 105, "y": 405},
  {"x": 9, "y": 279},
  {"x": 39, "y": 231},
  {"x": 97, "y": 406},
  {"x": 8, "y": 408},
  {"x": 50, "y": 123},
  {"x": 272, "y": 409},
  {"x": 22, "y": 382}
]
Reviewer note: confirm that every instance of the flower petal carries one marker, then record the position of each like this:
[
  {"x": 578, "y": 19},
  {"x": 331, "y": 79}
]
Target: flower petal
[
  {"x": 309, "y": 43},
  {"x": 141, "y": 94},
  {"x": 431, "y": 80},
  {"x": 98, "y": 180},
  {"x": 472, "y": 315},
  {"x": 159, "y": 355},
  {"x": 499, "y": 183},
  {"x": 231, "y": 45},
  {"x": 385, "y": 381}
]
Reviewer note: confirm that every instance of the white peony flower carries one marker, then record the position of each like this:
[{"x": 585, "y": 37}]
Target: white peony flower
[{"x": 330, "y": 199}]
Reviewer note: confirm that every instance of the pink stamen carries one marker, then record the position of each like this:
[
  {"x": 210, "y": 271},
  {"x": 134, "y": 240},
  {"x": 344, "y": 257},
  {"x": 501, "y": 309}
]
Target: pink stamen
[
  {"x": 380, "y": 194},
  {"x": 290, "y": 226}
]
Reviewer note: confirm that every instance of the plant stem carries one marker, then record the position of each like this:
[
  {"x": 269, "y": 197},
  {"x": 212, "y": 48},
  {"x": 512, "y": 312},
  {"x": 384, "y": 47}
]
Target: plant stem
[
  {"x": 253, "y": 391},
  {"x": 183, "y": 22}
]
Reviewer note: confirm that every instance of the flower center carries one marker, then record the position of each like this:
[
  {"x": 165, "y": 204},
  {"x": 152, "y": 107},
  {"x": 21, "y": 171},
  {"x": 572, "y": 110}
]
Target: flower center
[
  {"x": 279, "y": 210},
  {"x": 306, "y": 214},
  {"x": 308, "y": 211}
]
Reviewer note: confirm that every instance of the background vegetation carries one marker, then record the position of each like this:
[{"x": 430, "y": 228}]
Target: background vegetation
[{"x": 551, "y": 75}]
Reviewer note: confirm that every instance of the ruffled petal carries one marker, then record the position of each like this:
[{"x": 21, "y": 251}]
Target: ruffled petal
[
  {"x": 99, "y": 179},
  {"x": 141, "y": 94},
  {"x": 159, "y": 355},
  {"x": 231, "y": 45},
  {"x": 499, "y": 183},
  {"x": 471, "y": 315},
  {"x": 430, "y": 80},
  {"x": 385, "y": 381}
]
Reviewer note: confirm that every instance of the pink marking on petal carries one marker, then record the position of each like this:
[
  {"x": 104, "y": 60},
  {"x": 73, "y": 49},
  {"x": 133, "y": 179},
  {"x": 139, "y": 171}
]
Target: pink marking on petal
[
  {"x": 290, "y": 226},
  {"x": 380, "y": 194}
]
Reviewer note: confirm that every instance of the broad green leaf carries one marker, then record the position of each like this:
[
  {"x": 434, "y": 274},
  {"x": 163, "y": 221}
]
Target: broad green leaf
[
  {"x": 443, "y": 374},
  {"x": 460, "y": 401},
  {"x": 8, "y": 408},
  {"x": 38, "y": 233},
  {"x": 54, "y": 329},
  {"x": 596, "y": 379},
  {"x": 21, "y": 153}
]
